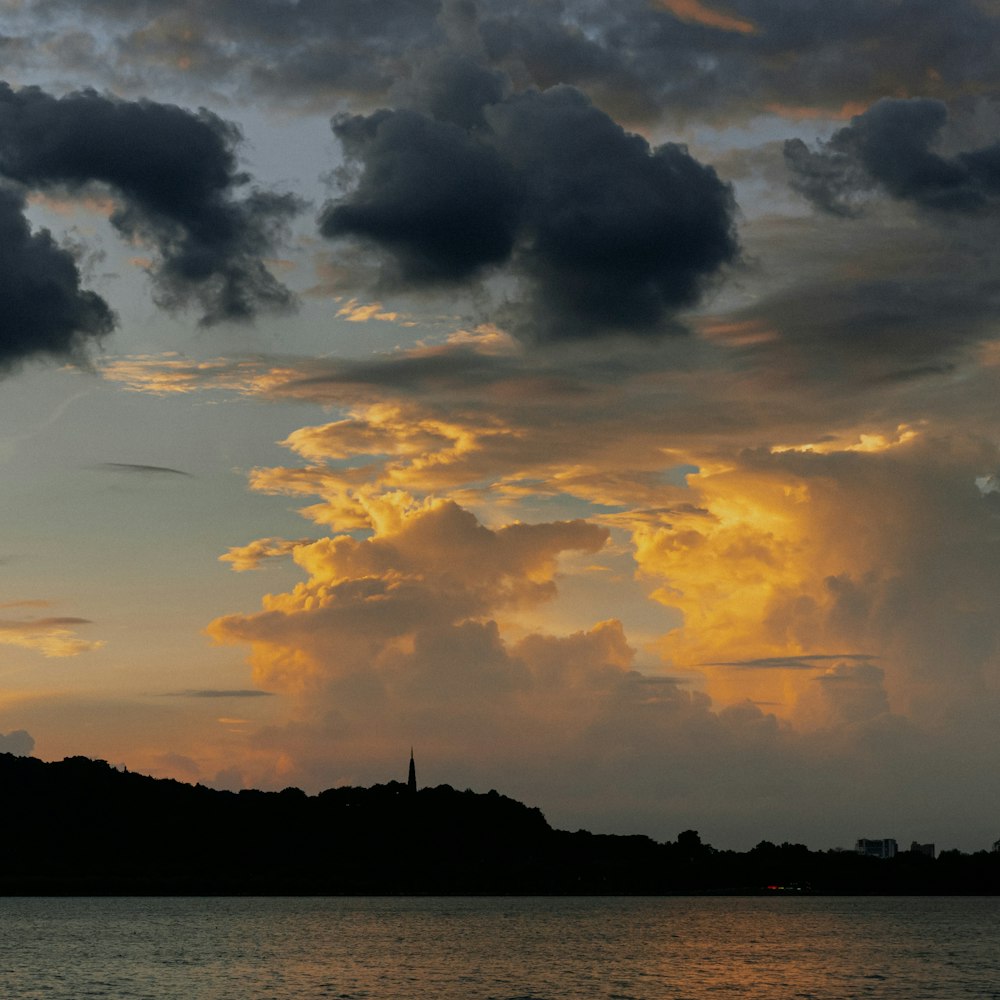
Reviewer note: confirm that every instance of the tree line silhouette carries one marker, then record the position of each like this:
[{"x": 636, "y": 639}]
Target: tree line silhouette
[{"x": 80, "y": 826}]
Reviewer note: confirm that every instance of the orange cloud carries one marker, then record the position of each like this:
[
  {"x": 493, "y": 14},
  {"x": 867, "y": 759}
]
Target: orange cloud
[
  {"x": 798, "y": 552},
  {"x": 400, "y": 636},
  {"x": 169, "y": 374},
  {"x": 778, "y": 525},
  {"x": 738, "y": 334},
  {"x": 695, "y": 12},
  {"x": 822, "y": 566},
  {"x": 797, "y": 113},
  {"x": 429, "y": 578},
  {"x": 97, "y": 204}
]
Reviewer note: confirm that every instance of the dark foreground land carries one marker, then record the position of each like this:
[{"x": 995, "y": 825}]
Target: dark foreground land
[{"x": 81, "y": 827}]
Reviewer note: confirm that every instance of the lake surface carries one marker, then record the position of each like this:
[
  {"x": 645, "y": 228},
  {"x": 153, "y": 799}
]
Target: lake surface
[{"x": 683, "y": 948}]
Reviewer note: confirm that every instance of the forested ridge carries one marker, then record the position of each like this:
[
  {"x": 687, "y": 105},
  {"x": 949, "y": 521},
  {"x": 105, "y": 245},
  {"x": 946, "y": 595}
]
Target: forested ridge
[{"x": 80, "y": 826}]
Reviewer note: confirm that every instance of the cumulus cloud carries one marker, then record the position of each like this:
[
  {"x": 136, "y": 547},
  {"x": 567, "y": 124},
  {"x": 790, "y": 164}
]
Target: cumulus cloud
[
  {"x": 175, "y": 179},
  {"x": 606, "y": 233},
  {"x": 404, "y": 635},
  {"x": 804, "y": 553},
  {"x": 428, "y": 570}
]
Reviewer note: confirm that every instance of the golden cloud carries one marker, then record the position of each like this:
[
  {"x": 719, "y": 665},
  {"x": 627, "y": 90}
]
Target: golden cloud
[
  {"x": 359, "y": 312},
  {"x": 250, "y": 557},
  {"x": 49, "y": 636},
  {"x": 777, "y": 525}
]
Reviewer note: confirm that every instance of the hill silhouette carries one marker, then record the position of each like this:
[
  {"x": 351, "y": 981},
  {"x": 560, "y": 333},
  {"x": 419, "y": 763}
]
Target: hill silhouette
[{"x": 80, "y": 826}]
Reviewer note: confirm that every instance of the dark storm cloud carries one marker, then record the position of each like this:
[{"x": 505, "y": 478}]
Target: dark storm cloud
[
  {"x": 607, "y": 233},
  {"x": 615, "y": 235},
  {"x": 890, "y": 147},
  {"x": 347, "y": 45},
  {"x": 175, "y": 175},
  {"x": 284, "y": 49},
  {"x": 443, "y": 203},
  {"x": 635, "y": 57},
  {"x": 43, "y": 310},
  {"x": 454, "y": 88}
]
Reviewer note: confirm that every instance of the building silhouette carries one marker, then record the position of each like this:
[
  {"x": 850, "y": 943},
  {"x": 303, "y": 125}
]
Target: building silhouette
[
  {"x": 411, "y": 780},
  {"x": 884, "y": 848}
]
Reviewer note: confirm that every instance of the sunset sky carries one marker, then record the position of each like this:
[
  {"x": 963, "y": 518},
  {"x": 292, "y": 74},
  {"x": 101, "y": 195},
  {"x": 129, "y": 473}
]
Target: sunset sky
[{"x": 601, "y": 398}]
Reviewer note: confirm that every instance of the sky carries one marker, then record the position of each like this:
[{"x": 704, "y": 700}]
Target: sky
[{"x": 601, "y": 399}]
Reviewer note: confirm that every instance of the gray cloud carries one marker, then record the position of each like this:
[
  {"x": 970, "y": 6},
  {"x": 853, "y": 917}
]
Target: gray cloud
[
  {"x": 882, "y": 298},
  {"x": 804, "y": 662},
  {"x": 18, "y": 742},
  {"x": 39, "y": 624},
  {"x": 176, "y": 176},
  {"x": 886, "y": 328},
  {"x": 131, "y": 467},
  {"x": 890, "y": 147}
]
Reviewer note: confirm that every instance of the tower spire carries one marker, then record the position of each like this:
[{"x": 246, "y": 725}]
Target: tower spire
[{"x": 411, "y": 781}]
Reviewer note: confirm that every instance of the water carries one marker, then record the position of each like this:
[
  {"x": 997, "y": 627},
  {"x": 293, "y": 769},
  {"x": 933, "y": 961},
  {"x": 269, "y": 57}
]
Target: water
[{"x": 682, "y": 948}]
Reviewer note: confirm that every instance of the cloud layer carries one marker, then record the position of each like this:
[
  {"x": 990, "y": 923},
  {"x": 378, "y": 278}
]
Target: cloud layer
[
  {"x": 740, "y": 579},
  {"x": 831, "y": 591},
  {"x": 640, "y": 59}
]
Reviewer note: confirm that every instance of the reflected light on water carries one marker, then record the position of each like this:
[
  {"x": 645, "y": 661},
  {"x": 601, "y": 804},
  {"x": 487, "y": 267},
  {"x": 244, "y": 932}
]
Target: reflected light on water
[{"x": 698, "y": 948}]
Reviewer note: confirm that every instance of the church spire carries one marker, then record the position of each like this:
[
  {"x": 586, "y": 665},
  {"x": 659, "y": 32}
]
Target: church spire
[{"x": 411, "y": 781}]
